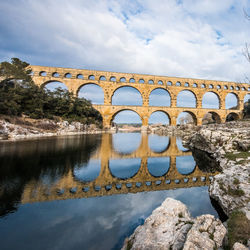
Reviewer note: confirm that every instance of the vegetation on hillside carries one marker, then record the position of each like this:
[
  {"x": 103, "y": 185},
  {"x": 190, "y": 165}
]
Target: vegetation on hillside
[{"x": 20, "y": 96}]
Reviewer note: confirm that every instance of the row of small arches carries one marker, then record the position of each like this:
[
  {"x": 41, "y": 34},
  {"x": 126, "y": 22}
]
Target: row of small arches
[
  {"x": 151, "y": 81},
  {"x": 129, "y": 185}
]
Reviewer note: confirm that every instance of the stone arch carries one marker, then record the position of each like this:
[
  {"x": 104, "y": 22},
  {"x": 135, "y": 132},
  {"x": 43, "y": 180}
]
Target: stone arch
[
  {"x": 132, "y": 80},
  {"x": 153, "y": 100},
  {"x": 162, "y": 111},
  {"x": 123, "y": 79},
  {"x": 150, "y": 81},
  {"x": 79, "y": 76},
  {"x": 91, "y": 77},
  {"x": 124, "y": 109},
  {"x": 181, "y": 102},
  {"x": 191, "y": 114},
  {"x": 211, "y": 117},
  {"x": 43, "y": 73},
  {"x": 232, "y": 117},
  {"x": 92, "y": 92},
  {"x": 127, "y": 98},
  {"x": 102, "y": 78},
  {"x": 57, "y": 84},
  {"x": 232, "y": 101},
  {"x": 55, "y": 74},
  {"x": 141, "y": 80},
  {"x": 112, "y": 79},
  {"x": 213, "y": 101},
  {"x": 68, "y": 75}
]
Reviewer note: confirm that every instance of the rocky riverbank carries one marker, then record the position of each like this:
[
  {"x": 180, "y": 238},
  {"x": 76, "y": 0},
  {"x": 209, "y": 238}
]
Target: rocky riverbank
[
  {"x": 179, "y": 130},
  {"x": 223, "y": 147},
  {"x": 13, "y": 128},
  {"x": 229, "y": 145}
]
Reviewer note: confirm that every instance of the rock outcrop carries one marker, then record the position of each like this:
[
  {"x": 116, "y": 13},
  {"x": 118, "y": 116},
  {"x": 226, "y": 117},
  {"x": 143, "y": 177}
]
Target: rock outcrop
[
  {"x": 171, "y": 227},
  {"x": 23, "y": 128},
  {"x": 228, "y": 144}
]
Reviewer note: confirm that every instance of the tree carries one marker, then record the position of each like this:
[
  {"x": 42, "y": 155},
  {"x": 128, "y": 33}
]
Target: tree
[
  {"x": 19, "y": 95},
  {"x": 15, "y": 71}
]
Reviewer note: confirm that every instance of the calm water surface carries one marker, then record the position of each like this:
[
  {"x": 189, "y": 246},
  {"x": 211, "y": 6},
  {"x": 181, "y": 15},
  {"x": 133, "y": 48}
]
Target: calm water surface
[{"x": 91, "y": 191}]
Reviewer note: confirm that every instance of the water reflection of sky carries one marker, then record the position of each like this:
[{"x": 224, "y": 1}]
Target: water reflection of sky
[
  {"x": 158, "y": 143},
  {"x": 94, "y": 223},
  {"x": 158, "y": 166},
  {"x": 126, "y": 143},
  {"x": 88, "y": 171},
  {"x": 124, "y": 168},
  {"x": 185, "y": 164}
]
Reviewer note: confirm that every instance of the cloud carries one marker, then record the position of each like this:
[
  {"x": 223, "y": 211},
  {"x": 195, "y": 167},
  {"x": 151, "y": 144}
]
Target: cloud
[
  {"x": 179, "y": 38},
  {"x": 191, "y": 38}
]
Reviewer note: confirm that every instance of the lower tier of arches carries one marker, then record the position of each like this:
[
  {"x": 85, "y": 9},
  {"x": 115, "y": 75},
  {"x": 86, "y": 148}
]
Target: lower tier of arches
[{"x": 197, "y": 116}]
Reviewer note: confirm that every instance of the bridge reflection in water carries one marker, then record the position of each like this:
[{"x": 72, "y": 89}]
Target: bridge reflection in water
[{"x": 114, "y": 169}]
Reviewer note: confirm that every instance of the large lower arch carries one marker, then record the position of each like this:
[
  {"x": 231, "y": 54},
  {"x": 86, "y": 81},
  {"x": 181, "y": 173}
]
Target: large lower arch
[
  {"x": 159, "y": 117},
  {"x": 232, "y": 117},
  {"x": 127, "y": 95},
  {"x": 186, "y": 117},
  {"x": 232, "y": 101},
  {"x": 186, "y": 98},
  {"x": 211, "y": 100},
  {"x": 54, "y": 85},
  {"x": 91, "y": 92},
  {"x": 211, "y": 117},
  {"x": 126, "y": 116},
  {"x": 159, "y": 97}
]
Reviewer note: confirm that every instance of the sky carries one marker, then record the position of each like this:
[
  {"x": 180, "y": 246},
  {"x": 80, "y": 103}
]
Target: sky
[{"x": 192, "y": 38}]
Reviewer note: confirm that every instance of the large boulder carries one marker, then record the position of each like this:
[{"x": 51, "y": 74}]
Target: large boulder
[{"x": 171, "y": 227}]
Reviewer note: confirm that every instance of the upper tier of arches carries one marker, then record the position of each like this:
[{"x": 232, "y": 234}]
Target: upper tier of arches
[{"x": 115, "y": 77}]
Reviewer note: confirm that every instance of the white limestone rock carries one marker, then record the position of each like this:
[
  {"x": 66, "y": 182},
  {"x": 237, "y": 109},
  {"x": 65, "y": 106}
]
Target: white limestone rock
[
  {"x": 239, "y": 246},
  {"x": 171, "y": 227},
  {"x": 206, "y": 233}
]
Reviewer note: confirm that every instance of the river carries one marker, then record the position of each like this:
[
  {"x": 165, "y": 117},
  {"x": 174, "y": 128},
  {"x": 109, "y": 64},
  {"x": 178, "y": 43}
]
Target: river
[{"x": 91, "y": 191}]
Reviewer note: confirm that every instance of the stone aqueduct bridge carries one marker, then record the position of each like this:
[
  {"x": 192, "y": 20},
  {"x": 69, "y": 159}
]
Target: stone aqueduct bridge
[
  {"x": 74, "y": 79},
  {"x": 108, "y": 184}
]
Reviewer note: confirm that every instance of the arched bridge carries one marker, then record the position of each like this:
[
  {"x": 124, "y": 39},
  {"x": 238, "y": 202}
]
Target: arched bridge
[
  {"x": 106, "y": 183},
  {"x": 74, "y": 79}
]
